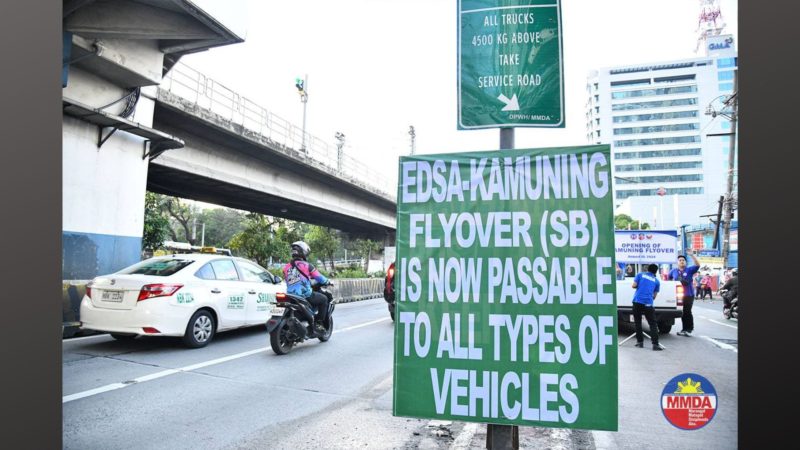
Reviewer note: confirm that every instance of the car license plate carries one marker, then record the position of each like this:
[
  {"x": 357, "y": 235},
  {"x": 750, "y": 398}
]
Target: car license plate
[
  {"x": 277, "y": 310},
  {"x": 112, "y": 296}
]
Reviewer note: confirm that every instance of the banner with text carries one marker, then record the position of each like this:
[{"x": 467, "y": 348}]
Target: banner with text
[
  {"x": 506, "y": 308},
  {"x": 646, "y": 246}
]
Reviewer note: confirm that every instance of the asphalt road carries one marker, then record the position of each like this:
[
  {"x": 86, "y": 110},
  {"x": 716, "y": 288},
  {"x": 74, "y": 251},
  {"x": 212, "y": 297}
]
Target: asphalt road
[{"x": 237, "y": 394}]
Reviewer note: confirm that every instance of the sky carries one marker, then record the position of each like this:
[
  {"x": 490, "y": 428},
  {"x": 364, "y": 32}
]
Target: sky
[{"x": 375, "y": 67}]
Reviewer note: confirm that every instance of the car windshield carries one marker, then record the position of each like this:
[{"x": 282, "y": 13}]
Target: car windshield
[{"x": 157, "y": 267}]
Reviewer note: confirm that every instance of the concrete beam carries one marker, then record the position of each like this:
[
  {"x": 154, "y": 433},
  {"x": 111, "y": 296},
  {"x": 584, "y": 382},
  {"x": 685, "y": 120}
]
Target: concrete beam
[{"x": 130, "y": 20}]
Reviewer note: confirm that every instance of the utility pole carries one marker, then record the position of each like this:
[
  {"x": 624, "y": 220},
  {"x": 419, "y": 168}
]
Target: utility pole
[
  {"x": 717, "y": 222},
  {"x": 413, "y": 135},
  {"x": 731, "y": 111},
  {"x": 732, "y": 103}
]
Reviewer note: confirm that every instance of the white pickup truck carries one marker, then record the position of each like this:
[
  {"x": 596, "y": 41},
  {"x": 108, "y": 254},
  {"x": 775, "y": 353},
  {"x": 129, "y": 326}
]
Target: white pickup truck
[{"x": 668, "y": 303}]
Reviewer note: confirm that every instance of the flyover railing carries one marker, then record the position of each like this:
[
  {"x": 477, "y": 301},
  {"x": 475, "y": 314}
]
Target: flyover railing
[{"x": 193, "y": 86}]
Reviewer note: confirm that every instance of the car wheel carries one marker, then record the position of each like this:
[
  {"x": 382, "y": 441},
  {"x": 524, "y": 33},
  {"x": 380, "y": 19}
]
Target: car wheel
[
  {"x": 664, "y": 328},
  {"x": 280, "y": 343},
  {"x": 123, "y": 336},
  {"x": 328, "y": 330},
  {"x": 200, "y": 329}
]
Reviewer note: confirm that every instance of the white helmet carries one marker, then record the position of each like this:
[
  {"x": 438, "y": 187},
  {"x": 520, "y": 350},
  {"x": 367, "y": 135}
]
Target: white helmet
[{"x": 300, "y": 249}]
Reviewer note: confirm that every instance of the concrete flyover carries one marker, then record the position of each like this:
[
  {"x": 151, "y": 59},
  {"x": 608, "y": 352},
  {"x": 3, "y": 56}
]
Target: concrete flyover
[{"x": 227, "y": 163}]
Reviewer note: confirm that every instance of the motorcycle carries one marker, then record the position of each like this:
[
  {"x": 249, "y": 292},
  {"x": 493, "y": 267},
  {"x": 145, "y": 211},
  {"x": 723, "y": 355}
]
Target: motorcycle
[
  {"x": 731, "y": 307},
  {"x": 388, "y": 290},
  {"x": 292, "y": 321}
]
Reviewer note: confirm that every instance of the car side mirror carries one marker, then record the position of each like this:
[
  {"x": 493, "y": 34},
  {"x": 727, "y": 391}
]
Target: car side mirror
[{"x": 276, "y": 280}]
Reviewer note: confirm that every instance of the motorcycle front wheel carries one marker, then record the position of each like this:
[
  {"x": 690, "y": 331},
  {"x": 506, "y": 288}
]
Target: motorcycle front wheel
[
  {"x": 328, "y": 330},
  {"x": 280, "y": 343}
]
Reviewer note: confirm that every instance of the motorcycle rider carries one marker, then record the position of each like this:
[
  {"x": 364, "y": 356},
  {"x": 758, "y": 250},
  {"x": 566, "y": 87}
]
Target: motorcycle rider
[
  {"x": 298, "y": 275},
  {"x": 732, "y": 287}
]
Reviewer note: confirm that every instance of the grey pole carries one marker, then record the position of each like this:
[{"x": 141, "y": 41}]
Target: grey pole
[
  {"x": 503, "y": 437},
  {"x": 339, "y": 153},
  {"x": 726, "y": 230},
  {"x": 413, "y": 135},
  {"x": 304, "y": 99}
]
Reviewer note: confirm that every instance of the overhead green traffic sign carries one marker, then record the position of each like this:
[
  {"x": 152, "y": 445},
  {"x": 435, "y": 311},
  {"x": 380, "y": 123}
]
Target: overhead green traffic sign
[
  {"x": 510, "y": 64},
  {"x": 505, "y": 281}
]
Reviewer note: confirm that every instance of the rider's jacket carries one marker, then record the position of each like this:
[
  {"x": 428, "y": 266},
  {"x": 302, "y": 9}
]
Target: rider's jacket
[{"x": 298, "y": 275}]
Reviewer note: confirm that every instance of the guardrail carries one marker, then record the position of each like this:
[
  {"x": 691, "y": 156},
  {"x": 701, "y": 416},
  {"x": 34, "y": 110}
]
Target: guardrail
[
  {"x": 346, "y": 290},
  {"x": 193, "y": 86}
]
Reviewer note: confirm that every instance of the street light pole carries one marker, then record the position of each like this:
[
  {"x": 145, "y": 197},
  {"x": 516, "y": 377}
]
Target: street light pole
[
  {"x": 413, "y": 139},
  {"x": 302, "y": 89},
  {"x": 339, "y": 154}
]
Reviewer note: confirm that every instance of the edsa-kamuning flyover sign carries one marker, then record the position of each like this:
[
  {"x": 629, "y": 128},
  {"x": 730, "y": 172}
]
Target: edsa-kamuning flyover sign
[
  {"x": 506, "y": 309},
  {"x": 510, "y": 64}
]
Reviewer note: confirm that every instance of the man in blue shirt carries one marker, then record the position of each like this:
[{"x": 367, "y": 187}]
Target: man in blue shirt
[
  {"x": 647, "y": 286},
  {"x": 685, "y": 275}
]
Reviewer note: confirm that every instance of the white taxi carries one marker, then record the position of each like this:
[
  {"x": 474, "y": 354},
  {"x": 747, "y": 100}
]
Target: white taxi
[{"x": 189, "y": 295}]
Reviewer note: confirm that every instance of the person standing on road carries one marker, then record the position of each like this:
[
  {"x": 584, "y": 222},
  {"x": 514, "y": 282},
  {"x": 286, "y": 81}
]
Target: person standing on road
[
  {"x": 684, "y": 275},
  {"x": 706, "y": 282},
  {"x": 647, "y": 286}
]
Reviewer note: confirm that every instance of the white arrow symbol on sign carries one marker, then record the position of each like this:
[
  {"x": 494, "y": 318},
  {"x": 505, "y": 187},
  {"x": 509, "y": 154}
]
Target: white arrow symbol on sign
[{"x": 511, "y": 104}]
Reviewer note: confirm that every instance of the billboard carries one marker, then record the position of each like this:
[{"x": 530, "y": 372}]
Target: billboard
[{"x": 505, "y": 287}]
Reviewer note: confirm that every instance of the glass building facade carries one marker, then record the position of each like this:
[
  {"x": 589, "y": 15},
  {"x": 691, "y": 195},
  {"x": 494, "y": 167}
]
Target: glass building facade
[{"x": 663, "y": 142}]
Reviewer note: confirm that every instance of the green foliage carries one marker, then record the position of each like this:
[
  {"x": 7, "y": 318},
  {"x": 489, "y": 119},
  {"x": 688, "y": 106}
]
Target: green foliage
[
  {"x": 323, "y": 242},
  {"x": 365, "y": 248},
  {"x": 257, "y": 241},
  {"x": 379, "y": 274},
  {"x": 626, "y": 222},
  {"x": 351, "y": 273},
  {"x": 156, "y": 223},
  {"x": 221, "y": 224}
]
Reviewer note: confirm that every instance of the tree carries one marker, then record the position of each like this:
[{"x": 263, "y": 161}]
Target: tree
[
  {"x": 221, "y": 224},
  {"x": 156, "y": 223},
  {"x": 323, "y": 242},
  {"x": 185, "y": 217},
  {"x": 257, "y": 240},
  {"x": 365, "y": 248},
  {"x": 626, "y": 222}
]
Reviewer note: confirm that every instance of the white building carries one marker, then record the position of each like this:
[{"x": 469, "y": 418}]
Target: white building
[{"x": 654, "y": 117}]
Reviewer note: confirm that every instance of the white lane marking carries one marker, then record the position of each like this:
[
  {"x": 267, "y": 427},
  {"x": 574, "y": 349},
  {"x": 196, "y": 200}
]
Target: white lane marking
[
  {"x": 724, "y": 324},
  {"x": 189, "y": 368},
  {"x": 721, "y": 344},
  {"x": 364, "y": 324},
  {"x": 89, "y": 393},
  {"x": 464, "y": 438}
]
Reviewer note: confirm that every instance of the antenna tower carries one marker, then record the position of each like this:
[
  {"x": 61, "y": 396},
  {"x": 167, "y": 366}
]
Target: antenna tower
[{"x": 710, "y": 23}]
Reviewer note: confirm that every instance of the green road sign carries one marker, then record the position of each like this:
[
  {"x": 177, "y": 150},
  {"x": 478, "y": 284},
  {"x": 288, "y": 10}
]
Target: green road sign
[
  {"x": 506, "y": 288},
  {"x": 510, "y": 64}
]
